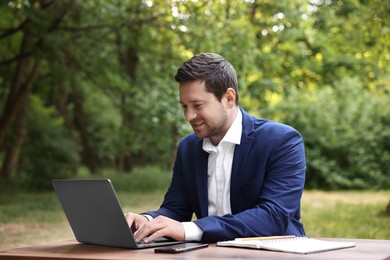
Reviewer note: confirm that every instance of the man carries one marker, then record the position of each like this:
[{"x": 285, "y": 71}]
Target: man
[{"x": 241, "y": 176}]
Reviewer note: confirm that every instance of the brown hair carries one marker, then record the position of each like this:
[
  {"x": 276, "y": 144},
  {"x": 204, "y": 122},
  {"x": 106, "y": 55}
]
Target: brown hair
[{"x": 217, "y": 73}]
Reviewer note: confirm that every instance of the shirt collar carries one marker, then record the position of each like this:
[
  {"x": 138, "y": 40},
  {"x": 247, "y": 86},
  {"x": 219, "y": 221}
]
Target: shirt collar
[{"x": 232, "y": 136}]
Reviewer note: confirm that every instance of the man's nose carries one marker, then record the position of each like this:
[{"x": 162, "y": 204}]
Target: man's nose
[{"x": 190, "y": 115}]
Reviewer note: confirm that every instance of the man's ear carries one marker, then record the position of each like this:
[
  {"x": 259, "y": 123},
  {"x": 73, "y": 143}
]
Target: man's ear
[{"x": 230, "y": 97}]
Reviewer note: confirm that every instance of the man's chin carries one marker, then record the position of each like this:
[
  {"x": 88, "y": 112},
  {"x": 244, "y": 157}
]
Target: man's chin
[{"x": 200, "y": 134}]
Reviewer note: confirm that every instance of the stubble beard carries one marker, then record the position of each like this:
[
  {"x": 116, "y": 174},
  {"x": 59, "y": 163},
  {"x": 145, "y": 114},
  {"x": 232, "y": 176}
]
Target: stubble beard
[{"x": 216, "y": 128}]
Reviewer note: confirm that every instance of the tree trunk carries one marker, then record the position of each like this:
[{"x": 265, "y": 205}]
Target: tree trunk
[
  {"x": 11, "y": 159},
  {"x": 15, "y": 113},
  {"x": 90, "y": 157},
  {"x": 18, "y": 91},
  {"x": 129, "y": 61},
  {"x": 15, "y": 110}
]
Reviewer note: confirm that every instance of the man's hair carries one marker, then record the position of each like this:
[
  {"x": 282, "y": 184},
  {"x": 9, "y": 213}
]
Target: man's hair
[{"x": 217, "y": 73}]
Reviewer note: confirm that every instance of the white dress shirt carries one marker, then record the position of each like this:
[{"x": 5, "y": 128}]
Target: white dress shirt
[{"x": 219, "y": 171}]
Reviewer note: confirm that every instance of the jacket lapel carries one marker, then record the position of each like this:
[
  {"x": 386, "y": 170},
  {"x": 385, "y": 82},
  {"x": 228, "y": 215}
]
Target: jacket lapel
[
  {"x": 239, "y": 160},
  {"x": 201, "y": 180}
]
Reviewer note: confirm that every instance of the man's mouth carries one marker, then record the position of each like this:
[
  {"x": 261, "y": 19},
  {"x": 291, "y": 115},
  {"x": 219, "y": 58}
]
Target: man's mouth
[{"x": 198, "y": 124}]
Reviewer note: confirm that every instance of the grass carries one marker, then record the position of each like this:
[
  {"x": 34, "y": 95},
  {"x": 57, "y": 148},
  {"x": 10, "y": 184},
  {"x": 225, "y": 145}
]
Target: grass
[
  {"x": 346, "y": 214},
  {"x": 29, "y": 218}
]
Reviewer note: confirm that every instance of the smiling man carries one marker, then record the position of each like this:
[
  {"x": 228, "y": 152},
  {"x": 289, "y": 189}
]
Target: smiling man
[{"x": 240, "y": 175}]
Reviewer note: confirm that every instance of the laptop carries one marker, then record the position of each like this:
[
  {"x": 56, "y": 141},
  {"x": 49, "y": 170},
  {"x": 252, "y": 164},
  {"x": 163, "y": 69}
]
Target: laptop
[{"x": 95, "y": 214}]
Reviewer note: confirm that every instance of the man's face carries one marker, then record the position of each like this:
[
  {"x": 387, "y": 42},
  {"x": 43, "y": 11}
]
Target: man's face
[{"x": 207, "y": 116}]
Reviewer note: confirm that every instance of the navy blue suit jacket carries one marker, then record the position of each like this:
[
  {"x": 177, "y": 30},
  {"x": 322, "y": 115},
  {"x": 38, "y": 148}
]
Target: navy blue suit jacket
[{"x": 267, "y": 181}]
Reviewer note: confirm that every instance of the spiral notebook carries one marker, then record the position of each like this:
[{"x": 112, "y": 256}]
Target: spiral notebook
[{"x": 289, "y": 244}]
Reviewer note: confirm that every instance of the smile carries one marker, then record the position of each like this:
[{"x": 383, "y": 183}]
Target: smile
[{"x": 196, "y": 125}]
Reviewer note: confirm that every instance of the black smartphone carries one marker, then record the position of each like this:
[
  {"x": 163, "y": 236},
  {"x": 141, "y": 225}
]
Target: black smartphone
[{"x": 185, "y": 247}]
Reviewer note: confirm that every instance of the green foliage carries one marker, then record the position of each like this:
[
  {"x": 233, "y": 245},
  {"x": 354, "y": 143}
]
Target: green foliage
[
  {"x": 49, "y": 149},
  {"x": 346, "y": 130},
  {"x": 142, "y": 179},
  {"x": 103, "y": 122},
  {"x": 119, "y": 58},
  {"x": 42, "y": 206}
]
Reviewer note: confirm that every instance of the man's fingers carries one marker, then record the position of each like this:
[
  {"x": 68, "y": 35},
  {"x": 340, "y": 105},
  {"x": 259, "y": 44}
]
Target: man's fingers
[
  {"x": 135, "y": 220},
  {"x": 151, "y": 230},
  {"x": 157, "y": 234},
  {"x": 129, "y": 219},
  {"x": 160, "y": 227}
]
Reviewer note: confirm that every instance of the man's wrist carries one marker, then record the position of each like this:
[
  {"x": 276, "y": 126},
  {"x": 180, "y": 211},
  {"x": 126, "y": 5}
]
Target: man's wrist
[
  {"x": 148, "y": 217},
  {"x": 192, "y": 232}
]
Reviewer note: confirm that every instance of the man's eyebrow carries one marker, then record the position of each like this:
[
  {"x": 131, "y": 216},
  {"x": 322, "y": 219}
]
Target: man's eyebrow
[{"x": 192, "y": 101}]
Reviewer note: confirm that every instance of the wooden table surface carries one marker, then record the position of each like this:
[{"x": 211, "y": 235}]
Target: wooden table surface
[{"x": 71, "y": 249}]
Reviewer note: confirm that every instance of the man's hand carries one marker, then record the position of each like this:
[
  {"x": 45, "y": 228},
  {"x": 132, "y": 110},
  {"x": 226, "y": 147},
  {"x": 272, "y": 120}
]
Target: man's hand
[
  {"x": 135, "y": 220},
  {"x": 159, "y": 227}
]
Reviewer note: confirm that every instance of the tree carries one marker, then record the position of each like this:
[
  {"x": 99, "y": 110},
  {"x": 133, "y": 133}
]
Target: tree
[
  {"x": 27, "y": 65},
  {"x": 106, "y": 68}
]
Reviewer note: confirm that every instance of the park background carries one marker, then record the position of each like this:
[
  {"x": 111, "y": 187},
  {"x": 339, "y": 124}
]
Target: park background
[{"x": 87, "y": 91}]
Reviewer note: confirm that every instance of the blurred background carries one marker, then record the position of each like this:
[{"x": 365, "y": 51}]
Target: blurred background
[
  {"x": 86, "y": 86},
  {"x": 90, "y": 83}
]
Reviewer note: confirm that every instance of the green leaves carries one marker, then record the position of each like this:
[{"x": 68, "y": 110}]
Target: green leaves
[
  {"x": 109, "y": 66},
  {"x": 347, "y": 140}
]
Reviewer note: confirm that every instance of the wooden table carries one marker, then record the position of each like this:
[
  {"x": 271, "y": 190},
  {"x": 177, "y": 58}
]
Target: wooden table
[{"x": 71, "y": 249}]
